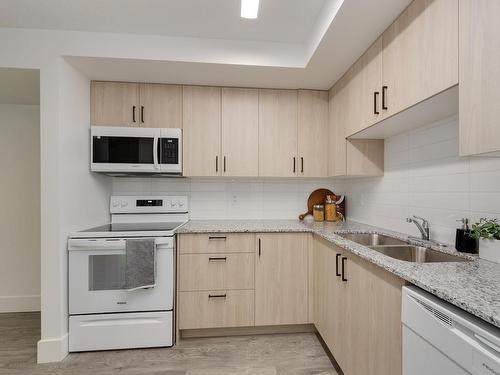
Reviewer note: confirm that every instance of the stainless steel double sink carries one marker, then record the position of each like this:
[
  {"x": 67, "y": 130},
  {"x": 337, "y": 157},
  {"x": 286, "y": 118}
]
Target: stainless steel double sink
[{"x": 399, "y": 249}]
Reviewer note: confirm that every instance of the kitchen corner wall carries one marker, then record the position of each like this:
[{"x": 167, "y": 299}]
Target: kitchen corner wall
[
  {"x": 424, "y": 176},
  {"x": 232, "y": 199}
]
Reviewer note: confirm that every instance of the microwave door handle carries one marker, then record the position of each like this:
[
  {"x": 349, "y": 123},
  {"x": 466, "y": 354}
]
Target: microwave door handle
[{"x": 155, "y": 152}]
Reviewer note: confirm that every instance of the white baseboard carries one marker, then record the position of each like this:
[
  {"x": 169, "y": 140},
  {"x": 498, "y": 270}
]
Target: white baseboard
[
  {"x": 52, "y": 350},
  {"x": 19, "y": 303}
]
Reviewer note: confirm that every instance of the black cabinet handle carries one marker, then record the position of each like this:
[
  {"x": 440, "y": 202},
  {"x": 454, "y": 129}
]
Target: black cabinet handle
[
  {"x": 216, "y": 163},
  {"x": 224, "y": 164},
  {"x": 217, "y": 259},
  {"x": 337, "y": 273},
  {"x": 301, "y": 164},
  {"x": 343, "y": 269},
  {"x": 217, "y": 296},
  {"x": 294, "y": 164},
  {"x": 375, "y": 102},
  {"x": 142, "y": 113},
  {"x": 133, "y": 113},
  {"x": 259, "y": 248},
  {"x": 217, "y": 237},
  {"x": 384, "y": 95}
]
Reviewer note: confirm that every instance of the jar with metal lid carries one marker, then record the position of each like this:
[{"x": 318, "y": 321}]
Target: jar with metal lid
[{"x": 319, "y": 212}]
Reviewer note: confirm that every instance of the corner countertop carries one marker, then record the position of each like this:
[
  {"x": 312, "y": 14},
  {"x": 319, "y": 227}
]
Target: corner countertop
[{"x": 472, "y": 286}]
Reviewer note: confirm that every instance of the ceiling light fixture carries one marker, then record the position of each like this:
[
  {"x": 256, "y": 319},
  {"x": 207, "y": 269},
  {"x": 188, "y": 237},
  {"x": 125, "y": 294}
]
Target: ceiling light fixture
[{"x": 249, "y": 8}]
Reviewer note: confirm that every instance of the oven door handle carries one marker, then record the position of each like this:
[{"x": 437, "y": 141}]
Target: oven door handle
[{"x": 96, "y": 244}]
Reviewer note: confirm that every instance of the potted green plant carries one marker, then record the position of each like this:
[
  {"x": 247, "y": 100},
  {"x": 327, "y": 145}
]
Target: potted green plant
[{"x": 487, "y": 231}]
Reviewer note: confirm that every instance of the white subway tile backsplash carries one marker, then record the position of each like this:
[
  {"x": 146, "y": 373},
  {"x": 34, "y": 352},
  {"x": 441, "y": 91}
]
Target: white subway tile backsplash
[{"x": 425, "y": 176}]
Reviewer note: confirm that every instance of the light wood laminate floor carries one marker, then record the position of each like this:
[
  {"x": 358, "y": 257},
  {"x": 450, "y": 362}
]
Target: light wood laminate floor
[{"x": 284, "y": 354}]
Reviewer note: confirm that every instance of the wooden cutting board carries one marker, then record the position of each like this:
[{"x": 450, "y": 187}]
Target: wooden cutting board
[{"x": 317, "y": 197}]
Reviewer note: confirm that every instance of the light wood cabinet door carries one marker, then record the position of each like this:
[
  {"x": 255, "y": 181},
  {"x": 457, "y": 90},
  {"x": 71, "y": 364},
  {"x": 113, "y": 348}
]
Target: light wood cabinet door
[
  {"x": 479, "y": 77},
  {"x": 114, "y": 103},
  {"x": 420, "y": 53},
  {"x": 364, "y": 105},
  {"x": 201, "y": 109},
  {"x": 277, "y": 133},
  {"x": 281, "y": 279},
  {"x": 160, "y": 106},
  {"x": 312, "y": 133},
  {"x": 240, "y": 132},
  {"x": 216, "y": 309}
]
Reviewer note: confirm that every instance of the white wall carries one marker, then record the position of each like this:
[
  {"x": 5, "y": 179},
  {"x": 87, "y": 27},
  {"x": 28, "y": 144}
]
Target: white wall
[
  {"x": 425, "y": 176},
  {"x": 232, "y": 199},
  {"x": 20, "y": 208}
]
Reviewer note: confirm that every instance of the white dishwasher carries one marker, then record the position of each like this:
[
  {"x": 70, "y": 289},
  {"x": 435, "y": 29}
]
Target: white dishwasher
[{"x": 441, "y": 339}]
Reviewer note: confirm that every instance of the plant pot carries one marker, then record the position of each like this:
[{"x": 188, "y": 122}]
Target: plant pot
[{"x": 489, "y": 250}]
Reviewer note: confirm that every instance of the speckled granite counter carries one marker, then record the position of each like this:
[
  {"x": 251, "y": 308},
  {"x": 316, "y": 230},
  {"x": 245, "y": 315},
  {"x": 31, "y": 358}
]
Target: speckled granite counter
[{"x": 473, "y": 286}]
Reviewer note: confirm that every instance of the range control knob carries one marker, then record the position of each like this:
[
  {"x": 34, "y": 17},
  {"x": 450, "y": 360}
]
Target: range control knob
[{"x": 115, "y": 204}]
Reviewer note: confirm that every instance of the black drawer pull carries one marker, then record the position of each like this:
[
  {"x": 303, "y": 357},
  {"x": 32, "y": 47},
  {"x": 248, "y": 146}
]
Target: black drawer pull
[
  {"x": 375, "y": 102},
  {"x": 343, "y": 269},
  {"x": 133, "y": 113},
  {"x": 337, "y": 273},
  {"x": 217, "y": 237},
  {"x": 217, "y": 259},
  {"x": 217, "y": 296}
]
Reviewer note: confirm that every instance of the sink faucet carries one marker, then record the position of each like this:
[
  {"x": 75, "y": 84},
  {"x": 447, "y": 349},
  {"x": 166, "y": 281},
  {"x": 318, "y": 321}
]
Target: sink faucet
[{"x": 423, "y": 226}]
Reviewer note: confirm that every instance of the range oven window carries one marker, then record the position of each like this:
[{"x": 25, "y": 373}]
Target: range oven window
[
  {"x": 123, "y": 150},
  {"x": 168, "y": 151},
  {"x": 107, "y": 272}
]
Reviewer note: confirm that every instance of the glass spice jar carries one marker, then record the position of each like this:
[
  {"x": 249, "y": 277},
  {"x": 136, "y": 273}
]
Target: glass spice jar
[{"x": 319, "y": 212}]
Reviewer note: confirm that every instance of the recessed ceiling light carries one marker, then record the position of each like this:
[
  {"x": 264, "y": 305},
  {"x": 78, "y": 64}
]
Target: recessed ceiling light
[{"x": 249, "y": 8}]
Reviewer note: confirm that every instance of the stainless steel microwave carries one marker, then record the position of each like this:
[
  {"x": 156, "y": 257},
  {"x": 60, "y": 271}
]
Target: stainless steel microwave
[{"x": 125, "y": 151}]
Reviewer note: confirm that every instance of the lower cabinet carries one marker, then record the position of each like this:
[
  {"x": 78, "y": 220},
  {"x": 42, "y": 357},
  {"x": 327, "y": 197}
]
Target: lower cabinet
[
  {"x": 357, "y": 311},
  {"x": 229, "y": 280},
  {"x": 281, "y": 279}
]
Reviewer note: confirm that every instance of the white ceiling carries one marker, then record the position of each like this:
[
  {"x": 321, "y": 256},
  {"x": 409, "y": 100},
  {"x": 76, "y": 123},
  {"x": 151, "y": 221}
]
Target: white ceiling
[
  {"x": 19, "y": 86},
  {"x": 288, "y": 21},
  {"x": 293, "y": 43}
]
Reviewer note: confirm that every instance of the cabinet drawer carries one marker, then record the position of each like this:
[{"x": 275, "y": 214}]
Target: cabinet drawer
[
  {"x": 216, "y": 271},
  {"x": 216, "y": 309},
  {"x": 208, "y": 243}
]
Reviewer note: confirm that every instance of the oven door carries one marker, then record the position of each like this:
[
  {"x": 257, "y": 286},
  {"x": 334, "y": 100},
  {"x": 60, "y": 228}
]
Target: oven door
[
  {"x": 170, "y": 151},
  {"x": 124, "y": 150},
  {"x": 97, "y": 275}
]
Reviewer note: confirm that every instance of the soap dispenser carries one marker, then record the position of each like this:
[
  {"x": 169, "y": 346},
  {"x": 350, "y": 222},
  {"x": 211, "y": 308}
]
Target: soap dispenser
[{"x": 464, "y": 242}]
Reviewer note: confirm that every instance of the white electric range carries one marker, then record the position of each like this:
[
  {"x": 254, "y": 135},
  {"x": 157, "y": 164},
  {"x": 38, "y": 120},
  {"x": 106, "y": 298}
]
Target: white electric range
[{"x": 103, "y": 314}]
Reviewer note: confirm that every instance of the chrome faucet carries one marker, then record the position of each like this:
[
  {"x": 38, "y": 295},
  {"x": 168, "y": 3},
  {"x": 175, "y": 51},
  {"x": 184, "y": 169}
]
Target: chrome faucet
[{"x": 422, "y": 226}]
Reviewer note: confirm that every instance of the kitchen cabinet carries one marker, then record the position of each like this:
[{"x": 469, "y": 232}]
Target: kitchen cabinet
[
  {"x": 364, "y": 96},
  {"x": 216, "y": 280},
  {"x": 281, "y": 279},
  {"x": 277, "y": 133},
  {"x": 350, "y": 157},
  {"x": 420, "y": 54},
  {"x": 201, "y": 131},
  {"x": 240, "y": 132},
  {"x": 312, "y": 133},
  {"x": 160, "y": 106},
  {"x": 357, "y": 311},
  {"x": 479, "y": 77},
  {"x": 134, "y": 104},
  {"x": 114, "y": 103}
]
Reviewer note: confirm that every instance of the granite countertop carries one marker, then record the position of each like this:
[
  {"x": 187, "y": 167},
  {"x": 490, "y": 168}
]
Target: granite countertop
[{"x": 473, "y": 286}]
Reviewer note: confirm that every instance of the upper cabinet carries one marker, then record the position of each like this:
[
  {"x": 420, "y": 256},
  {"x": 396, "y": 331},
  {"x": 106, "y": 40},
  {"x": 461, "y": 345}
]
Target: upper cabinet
[
  {"x": 420, "y": 54},
  {"x": 134, "y": 104},
  {"x": 312, "y": 133},
  {"x": 240, "y": 132},
  {"x": 160, "y": 106},
  {"x": 201, "y": 131},
  {"x": 356, "y": 157},
  {"x": 114, "y": 103},
  {"x": 277, "y": 133},
  {"x": 479, "y": 77}
]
